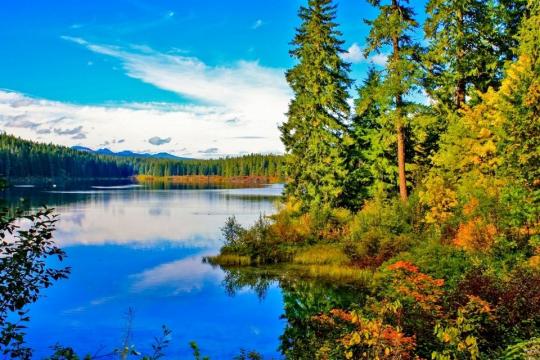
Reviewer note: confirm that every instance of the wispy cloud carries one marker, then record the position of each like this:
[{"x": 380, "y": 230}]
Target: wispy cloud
[
  {"x": 156, "y": 140},
  {"x": 257, "y": 24},
  {"x": 240, "y": 99},
  {"x": 191, "y": 126},
  {"x": 209, "y": 151},
  {"x": 355, "y": 55},
  {"x": 74, "y": 131}
]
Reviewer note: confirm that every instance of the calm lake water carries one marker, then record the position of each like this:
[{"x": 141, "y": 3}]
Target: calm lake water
[{"x": 140, "y": 248}]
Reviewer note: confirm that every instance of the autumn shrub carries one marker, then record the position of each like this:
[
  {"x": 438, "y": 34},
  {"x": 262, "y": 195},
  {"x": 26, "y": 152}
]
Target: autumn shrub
[
  {"x": 421, "y": 297},
  {"x": 515, "y": 301},
  {"x": 323, "y": 223},
  {"x": 381, "y": 230},
  {"x": 373, "y": 336},
  {"x": 459, "y": 335},
  {"x": 475, "y": 235}
]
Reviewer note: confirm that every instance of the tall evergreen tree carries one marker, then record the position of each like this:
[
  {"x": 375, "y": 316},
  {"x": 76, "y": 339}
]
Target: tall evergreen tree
[
  {"x": 393, "y": 28},
  {"x": 469, "y": 41},
  {"x": 315, "y": 131},
  {"x": 371, "y": 160}
]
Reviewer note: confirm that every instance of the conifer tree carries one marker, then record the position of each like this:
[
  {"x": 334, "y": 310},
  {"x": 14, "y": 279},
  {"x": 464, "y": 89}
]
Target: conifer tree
[
  {"x": 315, "y": 131},
  {"x": 393, "y": 28},
  {"x": 371, "y": 160},
  {"x": 469, "y": 41}
]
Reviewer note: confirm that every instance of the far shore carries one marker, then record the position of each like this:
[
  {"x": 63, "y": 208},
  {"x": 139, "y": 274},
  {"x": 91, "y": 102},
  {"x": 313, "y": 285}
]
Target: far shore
[{"x": 211, "y": 179}]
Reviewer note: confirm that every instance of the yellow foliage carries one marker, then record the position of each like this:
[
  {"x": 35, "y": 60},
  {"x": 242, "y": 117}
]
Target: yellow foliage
[
  {"x": 440, "y": 199},
  {"x": 475, "y": 235},
  {"x": 471, "y": 206}
]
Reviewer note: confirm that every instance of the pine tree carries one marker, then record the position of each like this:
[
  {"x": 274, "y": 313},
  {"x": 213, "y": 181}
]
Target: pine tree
[
  {"x": 371, "y": 161},
  {"x": 393, "y": 28},
  {"x": 315, "y": 131},
  {"x": 469, "y": 41}
]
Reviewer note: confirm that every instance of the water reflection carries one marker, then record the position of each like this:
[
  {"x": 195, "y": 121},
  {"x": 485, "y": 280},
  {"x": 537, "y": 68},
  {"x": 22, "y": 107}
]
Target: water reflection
[
  {"x": 143, "y": 216},
  {"x": 185, "y": 275},
  {"x": 304, "y": 337},
  {"x": 141, "y": 248}
]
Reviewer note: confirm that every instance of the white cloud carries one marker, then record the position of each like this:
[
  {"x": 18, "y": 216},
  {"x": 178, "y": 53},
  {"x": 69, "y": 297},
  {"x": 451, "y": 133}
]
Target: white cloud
[
  {"x": 379, "y": 59},
  {"x": 192, "y": 126},
  {"x": 243, "y": 99},
  {"x": 355, "y": 55},
  {"x": 257, "y": 24}
]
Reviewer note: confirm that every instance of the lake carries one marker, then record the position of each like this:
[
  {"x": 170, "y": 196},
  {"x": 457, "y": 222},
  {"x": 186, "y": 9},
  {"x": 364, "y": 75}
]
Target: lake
[{"x": 140, "y": 248}]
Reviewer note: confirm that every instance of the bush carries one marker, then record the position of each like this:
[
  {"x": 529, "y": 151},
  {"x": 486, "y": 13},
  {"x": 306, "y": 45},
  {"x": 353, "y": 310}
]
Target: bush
[
  {"x": 258, "y": 243},
  {"x": 381, "y": 230}
]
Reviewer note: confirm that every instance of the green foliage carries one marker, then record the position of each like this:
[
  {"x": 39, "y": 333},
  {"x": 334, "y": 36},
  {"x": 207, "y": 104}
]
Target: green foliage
[
  {"x": 26, "y": 250},
  {"x": 248, "y": 355},
  {"x": 65, "y": 353},
  {"x": 315, "y": 133},
  {"x": 259, "y": 243},
  {"x": 528, "y": 350},
  {"x": 197, "y": 352},
  {"x": 466, "y": 48},
  {"x": 393, "y": 28},
  {"x": 371, "y": 155}
]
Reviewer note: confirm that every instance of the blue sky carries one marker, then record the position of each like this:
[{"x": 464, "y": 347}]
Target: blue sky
[{"x": 204, "y": 78}]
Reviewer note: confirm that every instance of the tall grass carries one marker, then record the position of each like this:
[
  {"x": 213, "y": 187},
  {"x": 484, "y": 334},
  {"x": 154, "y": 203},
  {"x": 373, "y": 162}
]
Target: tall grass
[
  {"x": 363, "y": 277},
  {"x": 228, "y": 260},
  {"x": 322, "y": 254}
]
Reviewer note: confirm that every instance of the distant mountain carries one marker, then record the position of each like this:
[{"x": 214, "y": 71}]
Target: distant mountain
[{"x": 127, "y": 153}]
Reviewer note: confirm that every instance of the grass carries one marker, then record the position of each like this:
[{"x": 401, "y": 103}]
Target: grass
[
  {"x": 350, "y": 274},
  {"x": 322, "y": 254},
  {"x": 228, "y": 260}
]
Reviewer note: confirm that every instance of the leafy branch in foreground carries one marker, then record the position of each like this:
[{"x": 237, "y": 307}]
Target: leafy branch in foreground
[{"x": 26, "y": 244}]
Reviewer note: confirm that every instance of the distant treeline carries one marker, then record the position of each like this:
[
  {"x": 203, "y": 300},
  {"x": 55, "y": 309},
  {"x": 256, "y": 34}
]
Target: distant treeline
[{"x": 22, "y": 158}]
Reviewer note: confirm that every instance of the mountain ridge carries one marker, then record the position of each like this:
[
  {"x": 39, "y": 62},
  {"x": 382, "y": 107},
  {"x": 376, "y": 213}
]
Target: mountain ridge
[{"x": 129, "y": 153}]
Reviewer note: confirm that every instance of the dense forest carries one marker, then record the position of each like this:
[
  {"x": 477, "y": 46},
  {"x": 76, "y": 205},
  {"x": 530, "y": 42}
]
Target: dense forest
[
  {"x": 425, "y": 194},
  {"x": 24, "y": 159}
]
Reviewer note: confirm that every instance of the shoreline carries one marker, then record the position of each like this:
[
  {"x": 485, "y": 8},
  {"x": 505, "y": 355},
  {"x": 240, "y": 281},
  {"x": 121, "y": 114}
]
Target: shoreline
[{"x": 210, "y": 179}]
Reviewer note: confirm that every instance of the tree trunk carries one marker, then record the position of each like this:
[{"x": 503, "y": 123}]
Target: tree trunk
[
  {"x": 401, "y": 152},
  {"x": 460, "y": 84},
  {"x": 399, "y": 122}
]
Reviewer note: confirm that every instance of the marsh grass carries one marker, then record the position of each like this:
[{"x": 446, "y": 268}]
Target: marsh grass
[
  {"x": 346, "y": 274},
  {"x": 228, "y": 260},
  {"x": 323, "y": 254}
]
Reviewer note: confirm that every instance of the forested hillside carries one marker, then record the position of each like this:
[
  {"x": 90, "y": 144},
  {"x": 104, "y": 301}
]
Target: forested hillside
[{"x": 22, "y": 159}]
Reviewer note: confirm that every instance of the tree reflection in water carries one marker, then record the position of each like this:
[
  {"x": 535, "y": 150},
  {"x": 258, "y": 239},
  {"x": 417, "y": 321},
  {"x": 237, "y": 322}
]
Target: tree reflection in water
[{"x": 304, "y": 299}]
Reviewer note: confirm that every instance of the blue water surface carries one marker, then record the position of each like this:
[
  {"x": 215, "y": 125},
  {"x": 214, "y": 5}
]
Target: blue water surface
[{"x": 141, "y": 249}]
